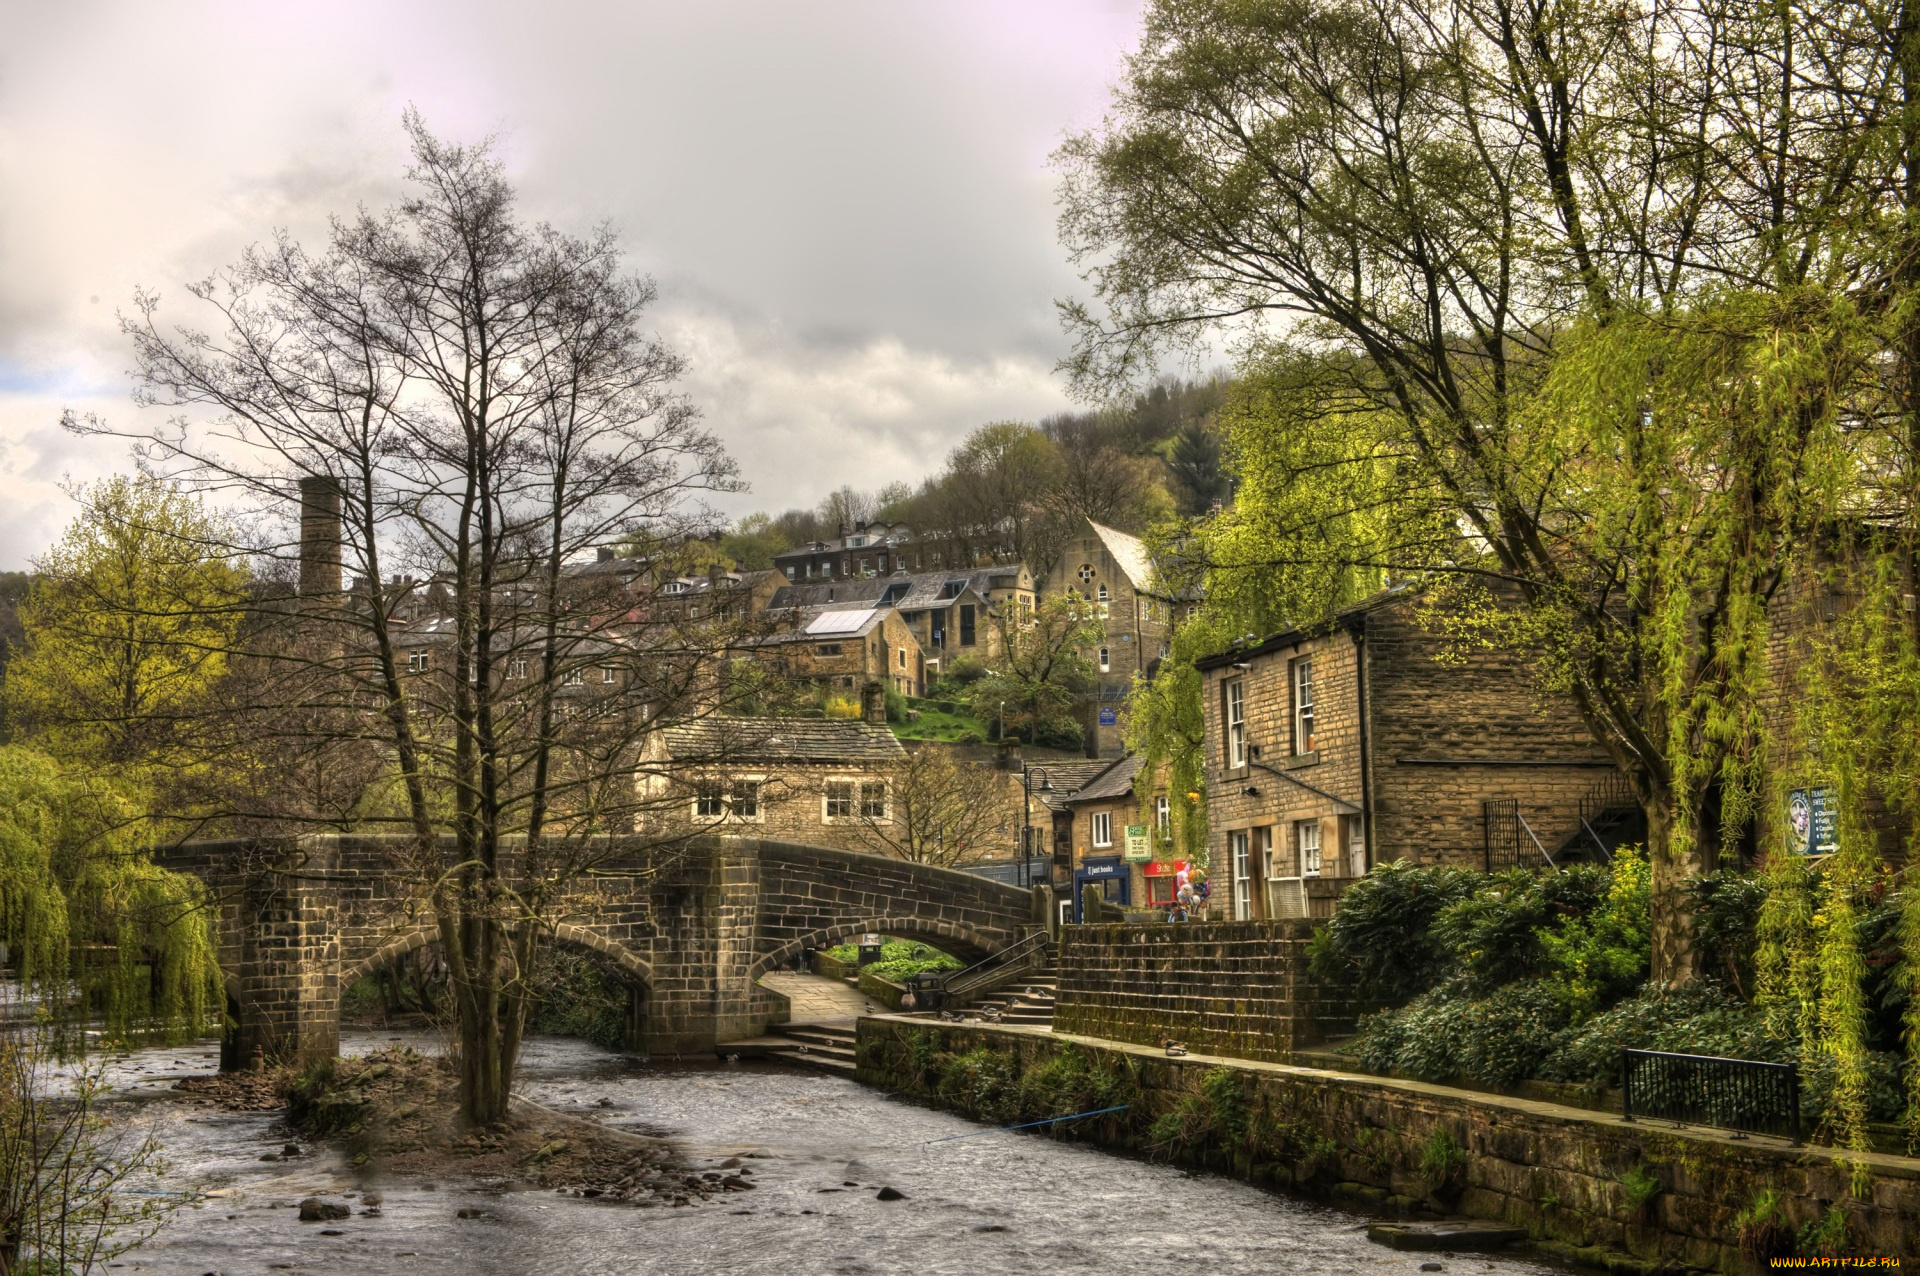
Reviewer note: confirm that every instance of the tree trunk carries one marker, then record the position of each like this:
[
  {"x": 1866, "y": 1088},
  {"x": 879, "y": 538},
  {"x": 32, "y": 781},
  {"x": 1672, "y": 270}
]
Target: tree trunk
[
  {"x": 490, "y": 1018},
  {"x": 1675, "y": 960}
]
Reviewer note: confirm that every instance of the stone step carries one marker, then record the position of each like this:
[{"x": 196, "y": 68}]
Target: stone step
[
  {"x": 1446, "y": 1234},
  {"x": 816, "y": 1036}
]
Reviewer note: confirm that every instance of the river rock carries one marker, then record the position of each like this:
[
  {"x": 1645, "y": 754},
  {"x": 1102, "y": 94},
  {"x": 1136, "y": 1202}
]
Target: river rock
[
  {"x": 315, "y": 1210},
  {"x": 890, "y": 1194}
]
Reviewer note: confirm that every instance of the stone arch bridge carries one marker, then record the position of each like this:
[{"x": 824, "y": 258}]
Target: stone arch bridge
[{"x": 689, "y": 930}]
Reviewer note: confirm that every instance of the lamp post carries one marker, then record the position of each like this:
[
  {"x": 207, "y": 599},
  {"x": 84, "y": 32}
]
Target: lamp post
[{"x": 1026, "y": 816}]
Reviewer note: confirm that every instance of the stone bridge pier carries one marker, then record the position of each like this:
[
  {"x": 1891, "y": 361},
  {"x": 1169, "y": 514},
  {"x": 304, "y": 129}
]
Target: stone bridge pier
[{"x": 690, "y": 929}]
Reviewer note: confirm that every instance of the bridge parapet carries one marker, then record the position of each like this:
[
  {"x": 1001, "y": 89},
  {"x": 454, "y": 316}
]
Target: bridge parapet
[{"x": 691, "y": 927}]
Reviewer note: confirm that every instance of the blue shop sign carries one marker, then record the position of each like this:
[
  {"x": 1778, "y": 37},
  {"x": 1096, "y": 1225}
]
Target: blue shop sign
[
  {"x": 1109, "y": 717},
  {"x": 1103, "y": 868}
]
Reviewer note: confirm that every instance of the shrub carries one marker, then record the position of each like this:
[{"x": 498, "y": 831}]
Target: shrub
[
  {"x": 579, "y": 999},
  {"x": 1442, "y": 1163},
  {"x": 981, "y": 1083},
  {"x": 1378, "y": 939},
  {"x": 1641, "y": 1186},
  {"x": 1500, "y": 932},
  {"x": 1726, "y": 925},
  {"x": 1496, "y": 1040},
  {"x": 1697, "y": 1018}
]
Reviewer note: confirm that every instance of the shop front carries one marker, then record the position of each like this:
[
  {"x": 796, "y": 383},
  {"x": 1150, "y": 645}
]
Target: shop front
[{"x": 1110, "y": 875}]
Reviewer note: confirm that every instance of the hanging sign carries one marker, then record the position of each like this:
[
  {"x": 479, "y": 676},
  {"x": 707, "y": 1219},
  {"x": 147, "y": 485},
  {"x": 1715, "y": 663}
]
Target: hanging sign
[
  {"x": 1139, "y": 849},
  {"x": 1109, "y": 717},
  {"x": 1810, "y": 822}
]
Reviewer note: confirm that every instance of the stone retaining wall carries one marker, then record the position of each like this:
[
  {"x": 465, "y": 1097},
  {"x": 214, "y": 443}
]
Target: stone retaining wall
[
  {"x": 1231, "y": 988},
  {"x": 1567, "y": 1176}
]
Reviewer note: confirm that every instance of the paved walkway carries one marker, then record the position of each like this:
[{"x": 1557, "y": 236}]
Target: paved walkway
[{"x": 815, "y": 999}]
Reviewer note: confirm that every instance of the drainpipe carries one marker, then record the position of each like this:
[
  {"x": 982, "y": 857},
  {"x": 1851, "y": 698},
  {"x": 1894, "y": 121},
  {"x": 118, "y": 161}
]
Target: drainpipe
[{"x": 1366, "y": 764}]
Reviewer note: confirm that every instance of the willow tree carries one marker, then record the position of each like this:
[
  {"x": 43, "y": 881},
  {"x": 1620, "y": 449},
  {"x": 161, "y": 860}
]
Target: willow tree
[
  {"x": 1572, "y": 306},
  {"x": 468, "y": 406}
]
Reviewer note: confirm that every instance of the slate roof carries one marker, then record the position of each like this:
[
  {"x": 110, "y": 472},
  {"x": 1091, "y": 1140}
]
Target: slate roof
[
  {"x": 1114, "y": 782},
  {"x": 917, "y": 591},
  {"x": 1344, "y": 618},
  {"x": 1067, "y": 778},
  {"x": 732, "y": 739}
]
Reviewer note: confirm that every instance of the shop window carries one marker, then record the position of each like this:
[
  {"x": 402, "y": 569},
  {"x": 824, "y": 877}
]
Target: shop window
[
  {"x": 1102, "y": 828},
  {"x": 1236, "y": 715},
  {"x": 840, "y": 799},
  {"x": 1303, "y": 705},
  {"x": 1306, "y": 839},
  {"x": 1160, "y": 891},
  {"x": 1239, "y": 856}
]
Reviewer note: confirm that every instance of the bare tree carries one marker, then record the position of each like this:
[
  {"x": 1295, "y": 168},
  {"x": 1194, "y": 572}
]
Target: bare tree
[
  {"x": 943, "y": 811},
  {"x": 471, "y": 408}
]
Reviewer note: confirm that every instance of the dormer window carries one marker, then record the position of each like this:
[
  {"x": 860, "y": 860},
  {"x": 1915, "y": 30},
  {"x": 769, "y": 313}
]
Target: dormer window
[{"x": 953, "y": 588}]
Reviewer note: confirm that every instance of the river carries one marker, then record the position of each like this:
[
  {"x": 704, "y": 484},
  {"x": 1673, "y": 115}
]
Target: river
[{"x": 820, "y": 1147}]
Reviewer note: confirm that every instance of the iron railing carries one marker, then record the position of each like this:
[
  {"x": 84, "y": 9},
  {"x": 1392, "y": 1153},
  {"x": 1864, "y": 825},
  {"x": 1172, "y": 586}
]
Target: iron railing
[
  {"x": 1693, "y": 1089},
  {"x": 1610, "y": 797},
  {"x": 1017, "y": 956},
  {"x": 1510, "y": 841}
]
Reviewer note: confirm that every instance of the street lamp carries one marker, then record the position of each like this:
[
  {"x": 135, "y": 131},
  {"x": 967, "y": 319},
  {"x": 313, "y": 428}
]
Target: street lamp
[{"x": 1026, "y": 816}]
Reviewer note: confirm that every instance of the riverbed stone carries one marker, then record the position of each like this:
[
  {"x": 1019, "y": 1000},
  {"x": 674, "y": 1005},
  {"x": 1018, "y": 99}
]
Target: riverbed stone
[{"x": 316, "y": 1210}]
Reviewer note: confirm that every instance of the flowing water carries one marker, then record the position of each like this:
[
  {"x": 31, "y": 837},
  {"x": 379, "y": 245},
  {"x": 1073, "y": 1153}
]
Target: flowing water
[{"x": 821, "y": 1147}]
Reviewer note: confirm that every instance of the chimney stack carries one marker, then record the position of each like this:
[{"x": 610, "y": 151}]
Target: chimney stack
[
  {"x": 873, "y": 703},
  {"x": 319, "y": 537},
  {"x": 606, "y": 554}
]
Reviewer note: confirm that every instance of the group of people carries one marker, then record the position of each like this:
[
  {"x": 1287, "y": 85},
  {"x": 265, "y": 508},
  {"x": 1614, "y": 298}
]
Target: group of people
[{"x": 1190, "y": 893}]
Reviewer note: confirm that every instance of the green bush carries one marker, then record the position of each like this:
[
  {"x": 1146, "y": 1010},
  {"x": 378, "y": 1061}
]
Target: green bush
[
  {"x": 1378, "y": 939},
  {"x": 1495, "y": 1040},
  {"x": 1500, "y": 933},
  {"x": 579, "y": 999},
  {"x": 900, "y": 959},
  {"x": 1697, "y": 1018},
  {"x": 981, "y": 1083}
]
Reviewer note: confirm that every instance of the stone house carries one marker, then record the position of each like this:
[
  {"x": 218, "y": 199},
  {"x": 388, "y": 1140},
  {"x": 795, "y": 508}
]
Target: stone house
[
  {"x": 796, "y": 779},
  {"x": 843, "y": 648},
  {"x": 1113, "y": 851},
  {"x": 718, "y": 595},
  {"x": 1354, "y": 743},
  {"x": 870, "y": 549},
  {"x": 949, "y": 613},
  {"x": 1137, "y": 615}
]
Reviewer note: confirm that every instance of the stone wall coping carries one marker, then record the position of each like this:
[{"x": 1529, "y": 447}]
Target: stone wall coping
[{"x": 1884, "y": 1163}]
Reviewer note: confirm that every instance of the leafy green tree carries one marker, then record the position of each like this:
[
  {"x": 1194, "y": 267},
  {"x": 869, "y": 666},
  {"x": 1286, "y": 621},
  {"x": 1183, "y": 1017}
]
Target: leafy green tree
[
  {"x": 127, "y": 628},
  {"x": 1045, "y": 667},
  {"x": 753, "y": 542}
]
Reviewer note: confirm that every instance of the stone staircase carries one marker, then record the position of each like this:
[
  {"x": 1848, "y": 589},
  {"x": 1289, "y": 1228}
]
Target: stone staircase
[
  {"x": 827, "y": 1046},
  {"x": 1029, "y": 1003}
]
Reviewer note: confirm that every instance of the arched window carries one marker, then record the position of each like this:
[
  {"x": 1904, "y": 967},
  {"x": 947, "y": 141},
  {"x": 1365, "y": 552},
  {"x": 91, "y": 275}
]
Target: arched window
[
  {"x": 1101, "y": 594},
  {"x": 1105, "y": 662}
]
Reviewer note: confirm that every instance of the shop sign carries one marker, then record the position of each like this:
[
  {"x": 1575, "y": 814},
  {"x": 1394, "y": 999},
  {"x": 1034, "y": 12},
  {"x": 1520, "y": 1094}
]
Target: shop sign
[
  {"x": 1163, "y": 868},
  {"x": 1139, "y": 849},
  {"x": 1102, "y": 868},
  {"x": 1810, "y": 822},
  {"x": 1109, "y": 717}
]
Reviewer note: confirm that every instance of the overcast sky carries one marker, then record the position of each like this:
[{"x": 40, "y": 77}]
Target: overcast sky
[{"x": 848, "y": 206}]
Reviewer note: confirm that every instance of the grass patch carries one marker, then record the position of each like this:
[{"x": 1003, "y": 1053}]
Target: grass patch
[{"x": 939, "y": 720}]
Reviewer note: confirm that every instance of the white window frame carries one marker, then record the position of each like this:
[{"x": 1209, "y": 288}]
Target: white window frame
[
  {"x": 1163, "y": 814},
  {"x": 871, "y": 808},
  {"x": 744, "y": 800},
  {"x": 1106, "y": 660},
  {"x": 575, "y": 677},
  {"x": 419, "y": 661},
  {"x": 608, "y": 674},
  {"x": 1306, "y": 845},
  {"x": 1303, "y": 718},
  {"x": 1235, "y": 710},
  {"x": 1239, "y": 857},
  {"x": 1100, "y": 594},
  {"x": 710, "y": 800},
  {"x": 844, "y": 792},
  {"x": 1100, "y": 828},
  {"x": 518, "y": 669}
]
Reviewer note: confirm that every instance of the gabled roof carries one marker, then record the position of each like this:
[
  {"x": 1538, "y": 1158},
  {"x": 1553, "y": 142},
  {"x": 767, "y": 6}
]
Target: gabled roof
[
  {"x": 1130, "y": 552},
  {"x": 731, "y": 740},
  {"x": 1067, "y": 779},
  {"x": 1116, "y": 781}
]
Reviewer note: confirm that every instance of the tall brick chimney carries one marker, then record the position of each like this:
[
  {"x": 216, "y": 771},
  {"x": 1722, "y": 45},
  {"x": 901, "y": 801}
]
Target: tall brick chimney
[
  {"x": 873, "y": 703},
  {"x": 319, "y": 537}
]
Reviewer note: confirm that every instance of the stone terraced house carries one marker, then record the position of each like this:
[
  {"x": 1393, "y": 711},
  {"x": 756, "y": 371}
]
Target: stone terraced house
[
  {"x": 949, "y": 613},
  {"x": 795, "y": 779},
  {"x": 1354, "y": 743}
]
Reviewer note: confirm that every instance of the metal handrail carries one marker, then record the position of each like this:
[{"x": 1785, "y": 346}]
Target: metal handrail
[
  {"x": 958, "y": 982},
  {"x": 1692, "y": 1089}
]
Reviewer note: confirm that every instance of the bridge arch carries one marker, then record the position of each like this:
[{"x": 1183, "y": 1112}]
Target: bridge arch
[{"x": 964, "y": 941}]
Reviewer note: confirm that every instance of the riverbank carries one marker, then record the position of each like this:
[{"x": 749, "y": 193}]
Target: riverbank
[{"x": 1585, "y": 1186}]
